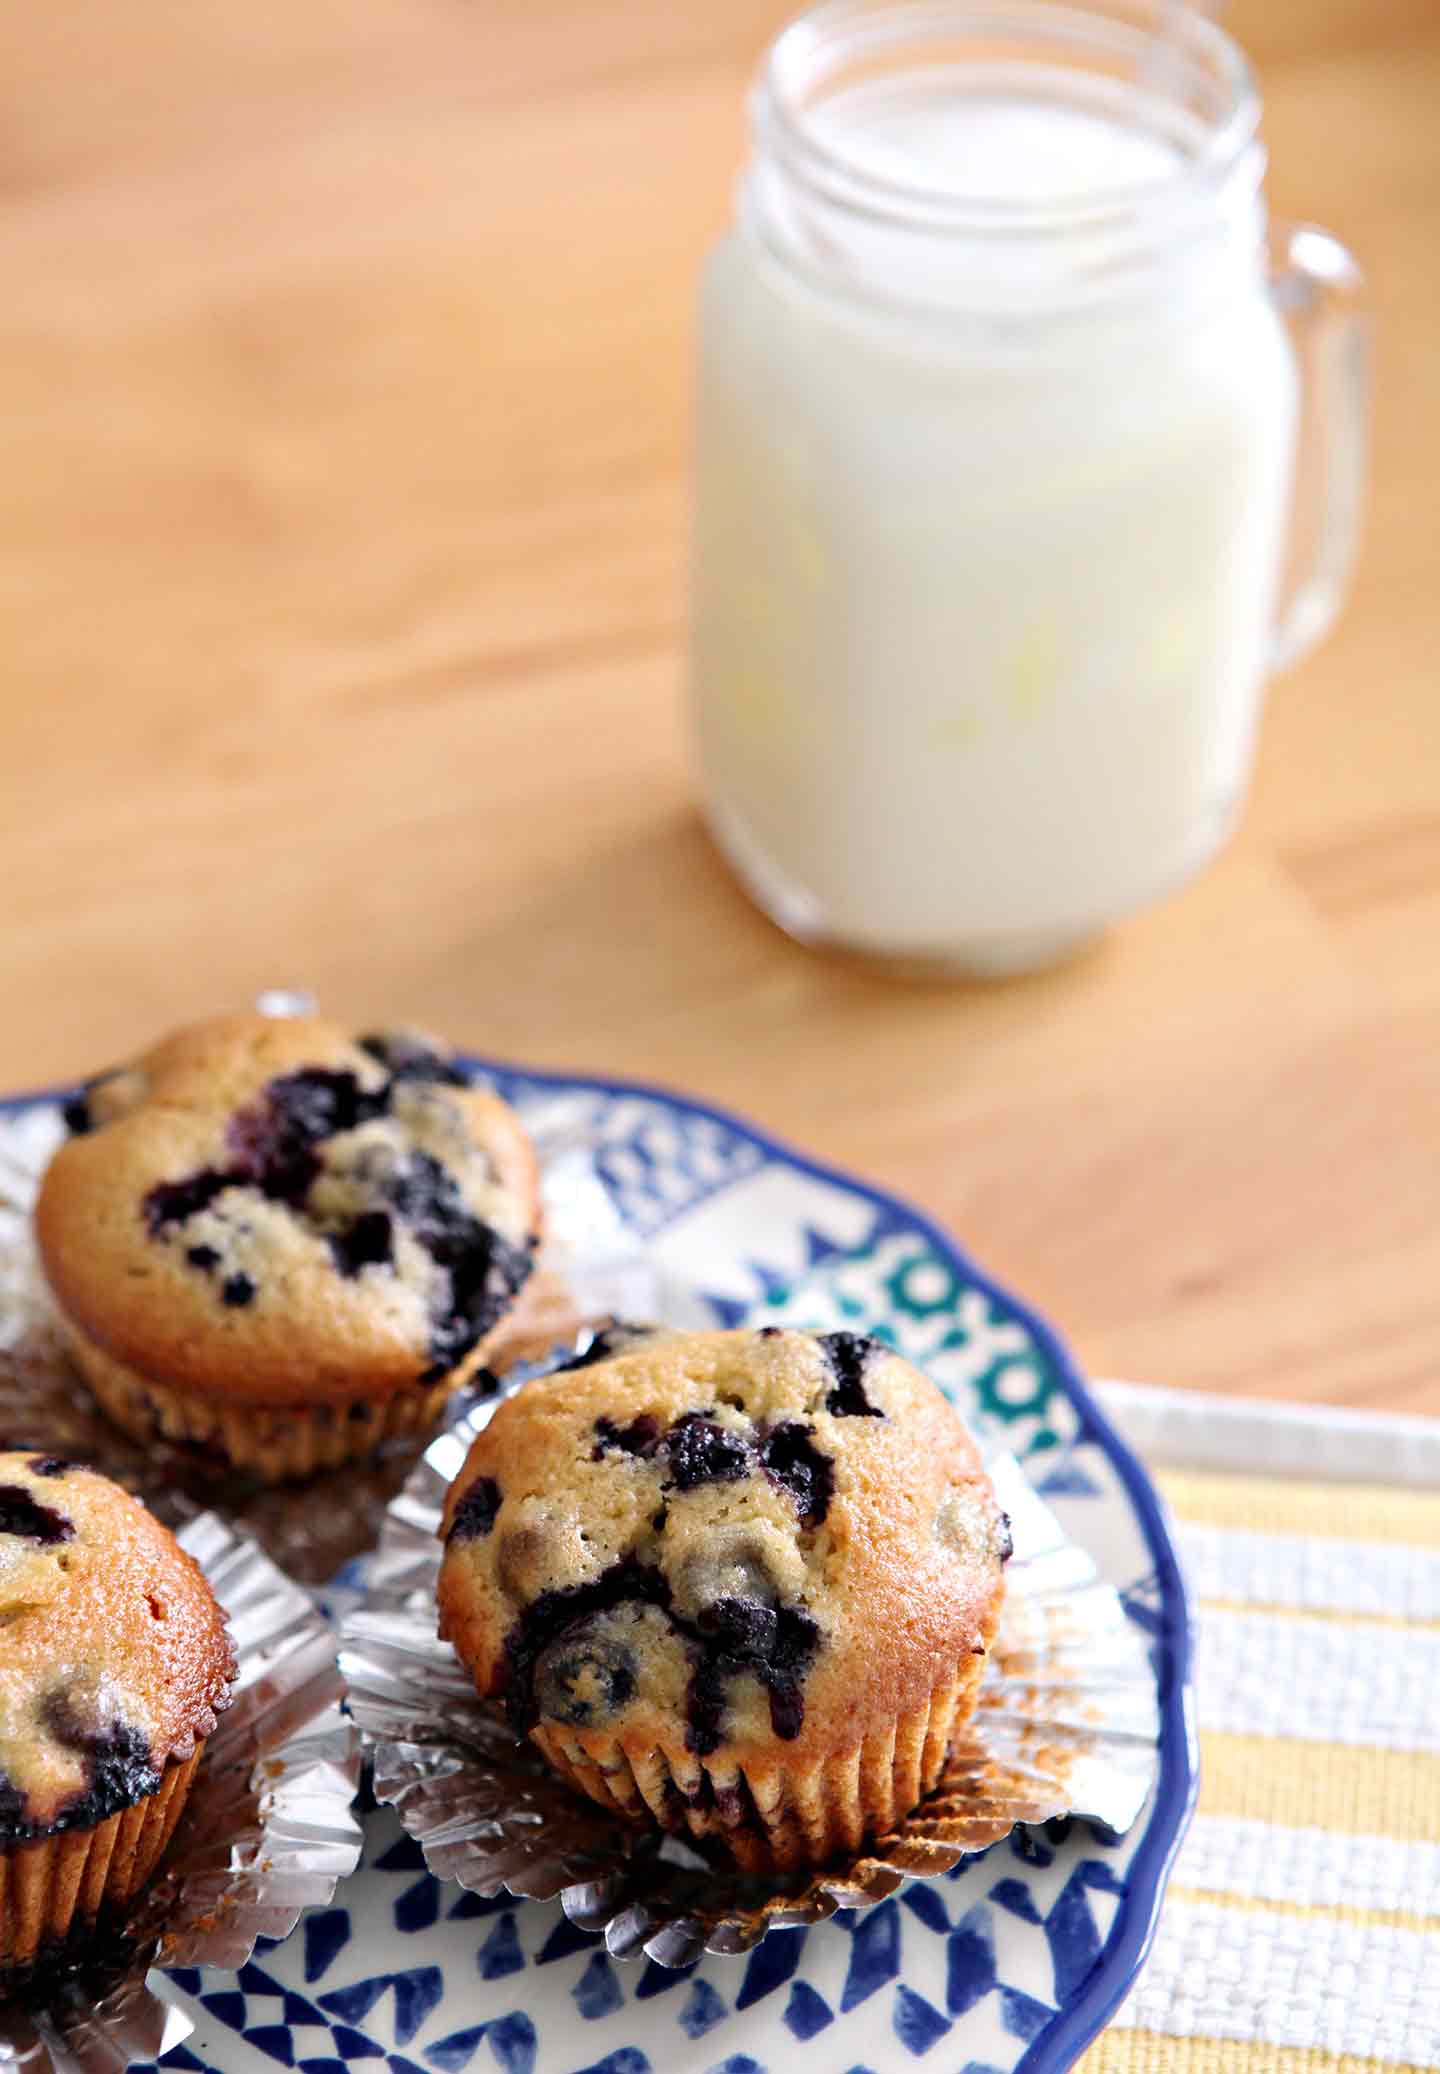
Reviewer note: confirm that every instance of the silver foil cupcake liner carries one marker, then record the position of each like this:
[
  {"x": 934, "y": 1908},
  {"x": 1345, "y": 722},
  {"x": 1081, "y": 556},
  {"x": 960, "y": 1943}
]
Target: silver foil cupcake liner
[
  {"x": 590, "y": 1264},
  {"x": 268, "y": 1830},
  {"x": 1067, "y": 1724}
]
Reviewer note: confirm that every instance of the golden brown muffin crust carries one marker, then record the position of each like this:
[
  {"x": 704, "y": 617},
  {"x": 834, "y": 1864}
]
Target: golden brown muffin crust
[
  {"x": 804, "y": 1517},
  {"x": 301, "y": 1246},
  {"x": 114, "y": 1656}
]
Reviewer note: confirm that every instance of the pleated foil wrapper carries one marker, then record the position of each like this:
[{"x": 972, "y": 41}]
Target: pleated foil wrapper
[
  {"x": 590, "y": 1264},
  {"x": 268, "y": 1830},
  {"x": 1067, "y": 1725}
]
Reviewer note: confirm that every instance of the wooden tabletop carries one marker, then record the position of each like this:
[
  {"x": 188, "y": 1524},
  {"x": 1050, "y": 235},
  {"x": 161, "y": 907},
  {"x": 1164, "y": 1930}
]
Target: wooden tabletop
[{"x": 345, "y": 363}]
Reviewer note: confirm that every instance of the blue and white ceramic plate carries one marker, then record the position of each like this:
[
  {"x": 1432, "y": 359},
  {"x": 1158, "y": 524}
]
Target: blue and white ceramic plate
[{"x": 1012, "y": 1962}]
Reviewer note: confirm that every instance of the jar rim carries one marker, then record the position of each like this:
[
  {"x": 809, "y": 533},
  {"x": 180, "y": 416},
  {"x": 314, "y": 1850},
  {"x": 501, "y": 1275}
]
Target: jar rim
[{"x": 1165, "y": 34}]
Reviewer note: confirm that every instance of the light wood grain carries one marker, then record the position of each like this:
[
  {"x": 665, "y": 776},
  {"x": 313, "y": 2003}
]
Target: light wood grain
[{"x": 345, "y": 357}]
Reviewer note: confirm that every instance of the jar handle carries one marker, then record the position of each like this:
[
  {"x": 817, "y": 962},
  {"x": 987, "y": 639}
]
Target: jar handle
[{"x": 1320, "y": 292}]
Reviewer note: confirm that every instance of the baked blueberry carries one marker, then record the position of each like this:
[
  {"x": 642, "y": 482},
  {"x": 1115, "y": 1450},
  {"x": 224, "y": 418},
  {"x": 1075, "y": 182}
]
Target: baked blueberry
[
  {"x": 587, "y": 1675},
  {"x": 792, "y": 1460},
  {"x": 76, "y": 1114},
  {"x": 119, "y": 1766},
  {"x": 699, "y": 1450},
  {"x": 22, "y": 1514},
  {"x": 368, "y": 1242},
  {"x": 406, "y": 1055},
  {"x": 624, "y": 1586},
  {"x": 475, "y": 1515},
  {"x": 849, "y": 1354},
  {"x": 172, "y": 1203},
  {"x": 641, "y": 1437}
]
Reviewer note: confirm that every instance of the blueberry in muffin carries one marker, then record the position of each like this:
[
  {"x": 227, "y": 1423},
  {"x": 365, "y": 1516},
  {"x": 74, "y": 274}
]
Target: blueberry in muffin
[
  {"x": 740, "y": 1584},
  {"x": 281, "y": 1243},
  {"x": 114, "y": 1661}
]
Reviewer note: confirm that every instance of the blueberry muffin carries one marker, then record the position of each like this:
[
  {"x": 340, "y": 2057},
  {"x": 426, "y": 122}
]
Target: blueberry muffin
[
  {"x": 114, "y": 1660},
  {"x": 740, "y": 1583},
  {"x": 281, "y": 1244}
]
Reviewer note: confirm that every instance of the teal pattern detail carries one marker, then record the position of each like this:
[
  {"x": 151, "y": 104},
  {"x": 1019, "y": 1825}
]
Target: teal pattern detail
[{"x": 980, "y": 1353}]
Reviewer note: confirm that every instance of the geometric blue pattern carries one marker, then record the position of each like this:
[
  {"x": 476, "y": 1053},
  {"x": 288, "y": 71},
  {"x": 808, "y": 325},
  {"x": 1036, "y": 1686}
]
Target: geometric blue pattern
[
  {"x": 970, "y": 1973},
  {"x": 668, "y": 1161},
  {"x": 769, "y": 1966},
  {"x": 918, "y": 2025},
  {"x": 500, "y": 1954},
  {"x": 704, "y": 2008},
  {"x": 325, "y": 1934},
  {"x": 874, "y": 1954},
  {"x": 1022, "y": 2014},
  {"x": 597, "y": 1992},
  {"x": 871, "y": 1962},
  {"x": 1014, "y": 1895},
  {"x": 806, "y": 2012},
  {"x": 416, "y": 1994}
]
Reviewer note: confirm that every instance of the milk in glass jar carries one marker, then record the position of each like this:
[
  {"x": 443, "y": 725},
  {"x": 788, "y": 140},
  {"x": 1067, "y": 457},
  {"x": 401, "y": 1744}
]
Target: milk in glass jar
[{"x": 1002, "y": 378}]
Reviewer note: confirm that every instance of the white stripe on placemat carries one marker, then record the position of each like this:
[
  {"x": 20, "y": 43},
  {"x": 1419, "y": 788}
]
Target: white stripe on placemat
[
  {"x": 1290, "y": 1980},
  {"x": 1325, "y": 1681},
  {"x": 1365, "y": 1577},
  {"x": 1313, "y": 1868},
  {"x": 1194, "y": 1430}
]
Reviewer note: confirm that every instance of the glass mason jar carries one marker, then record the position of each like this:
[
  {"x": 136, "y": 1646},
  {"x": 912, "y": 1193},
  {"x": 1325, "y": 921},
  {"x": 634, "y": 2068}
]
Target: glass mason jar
[{"x": 997, "y": 538}]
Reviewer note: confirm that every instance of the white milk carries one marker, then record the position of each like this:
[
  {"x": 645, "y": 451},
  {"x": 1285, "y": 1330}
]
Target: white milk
[{"x": 987, "y": 552}]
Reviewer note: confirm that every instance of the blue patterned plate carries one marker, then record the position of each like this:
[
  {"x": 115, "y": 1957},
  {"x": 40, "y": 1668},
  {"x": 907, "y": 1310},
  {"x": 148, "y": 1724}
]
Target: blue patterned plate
[{"x": 1015, "y": 1960}]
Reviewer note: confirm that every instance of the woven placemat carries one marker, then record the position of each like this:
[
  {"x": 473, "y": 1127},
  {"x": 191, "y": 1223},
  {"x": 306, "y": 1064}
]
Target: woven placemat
[{"x": 1301, "y": 1933}]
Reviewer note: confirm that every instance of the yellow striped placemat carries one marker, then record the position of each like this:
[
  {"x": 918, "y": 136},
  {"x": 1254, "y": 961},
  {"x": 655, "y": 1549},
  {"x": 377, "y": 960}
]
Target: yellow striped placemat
[{"x": 1301, "y": 1932}]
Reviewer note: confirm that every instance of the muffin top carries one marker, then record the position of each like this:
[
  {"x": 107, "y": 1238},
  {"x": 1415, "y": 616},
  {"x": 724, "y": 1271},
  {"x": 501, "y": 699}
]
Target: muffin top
[
  {"x": 275, "y": 1211},
  {"x": 722, "y": 1537},
  {"x": 114, "y": 1656}
]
